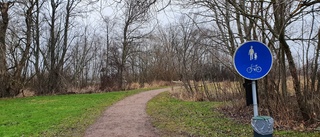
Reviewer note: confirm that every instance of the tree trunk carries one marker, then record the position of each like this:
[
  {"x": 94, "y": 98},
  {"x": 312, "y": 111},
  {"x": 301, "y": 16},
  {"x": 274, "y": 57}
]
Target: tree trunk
[
  {"x": 296, "y": 82},
  {"x": 52, "y": 80},
  {"x": 279, "y": 15},
  {"x": 4, "y": 76},
  {"x": 19, "y": 75}
]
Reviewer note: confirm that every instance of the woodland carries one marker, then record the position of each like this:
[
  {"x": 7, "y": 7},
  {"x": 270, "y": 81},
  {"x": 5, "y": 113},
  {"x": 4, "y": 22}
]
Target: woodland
[{"x": 51, "y": 47}]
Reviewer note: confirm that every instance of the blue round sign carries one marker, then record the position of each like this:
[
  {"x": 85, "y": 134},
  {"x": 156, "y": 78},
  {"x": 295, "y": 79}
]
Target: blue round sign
[{"x": 253, "y": 60}]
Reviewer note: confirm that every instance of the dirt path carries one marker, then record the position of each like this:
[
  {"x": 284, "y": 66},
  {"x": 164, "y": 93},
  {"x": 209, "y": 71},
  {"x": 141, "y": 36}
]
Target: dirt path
[{"x": 126, "y": 118}]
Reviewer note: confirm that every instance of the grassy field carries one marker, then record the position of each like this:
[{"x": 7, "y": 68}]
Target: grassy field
[
  {"x": 174, "y": 117},
  {"x": 62, "y": 115},
  {"x": 70, "y": 115}
]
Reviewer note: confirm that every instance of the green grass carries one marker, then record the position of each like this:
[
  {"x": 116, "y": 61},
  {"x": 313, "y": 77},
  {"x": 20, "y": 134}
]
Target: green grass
[
  {"x": 174, "y": 117},
  {"x": 63, "y": 115}
]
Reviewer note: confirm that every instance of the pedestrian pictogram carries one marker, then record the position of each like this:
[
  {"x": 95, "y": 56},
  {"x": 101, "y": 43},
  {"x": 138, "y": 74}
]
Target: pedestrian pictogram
[{"x": 252, "y": 54}]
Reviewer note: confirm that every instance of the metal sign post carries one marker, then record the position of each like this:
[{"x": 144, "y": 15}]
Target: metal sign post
[
  {"x": 253, "y": 61},
  {"x": 254, "y": 97}
]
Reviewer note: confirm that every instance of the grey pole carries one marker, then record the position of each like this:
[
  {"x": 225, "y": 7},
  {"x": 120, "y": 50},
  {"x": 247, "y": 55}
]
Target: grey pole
[{"x": 254, "y": 97}]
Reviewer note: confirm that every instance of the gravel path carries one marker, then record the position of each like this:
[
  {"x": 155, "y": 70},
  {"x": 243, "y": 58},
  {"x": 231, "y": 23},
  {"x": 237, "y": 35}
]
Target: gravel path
[{"x": 126, "y": 118}]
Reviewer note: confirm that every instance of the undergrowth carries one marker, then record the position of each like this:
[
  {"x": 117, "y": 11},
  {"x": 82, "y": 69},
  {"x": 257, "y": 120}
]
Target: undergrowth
[{"x": 175, "y": 117}]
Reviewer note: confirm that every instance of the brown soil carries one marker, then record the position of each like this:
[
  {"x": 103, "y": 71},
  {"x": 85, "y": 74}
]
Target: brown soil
[{"x": 126, "y": 118}]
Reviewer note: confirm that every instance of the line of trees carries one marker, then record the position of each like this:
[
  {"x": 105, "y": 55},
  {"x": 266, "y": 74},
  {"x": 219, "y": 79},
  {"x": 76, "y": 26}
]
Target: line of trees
[
  {"x": 40, "y": 42},
  {"x": 51, "y": 46},
  {"x": 291, "y": 30}
]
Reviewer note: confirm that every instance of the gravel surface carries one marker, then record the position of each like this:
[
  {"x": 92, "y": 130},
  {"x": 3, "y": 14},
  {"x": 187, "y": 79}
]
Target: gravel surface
[{"x": 126, "y": 118}]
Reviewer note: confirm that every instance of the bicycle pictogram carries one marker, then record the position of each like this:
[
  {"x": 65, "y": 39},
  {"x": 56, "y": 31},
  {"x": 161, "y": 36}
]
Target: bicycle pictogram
[{"x": 254, "y": 68}]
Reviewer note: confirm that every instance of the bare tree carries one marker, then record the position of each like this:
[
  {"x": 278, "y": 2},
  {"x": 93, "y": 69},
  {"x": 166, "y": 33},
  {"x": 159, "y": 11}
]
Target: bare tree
[
  {"x": 283, "y": 17},
  {"x": 20, "y": 66},
  {"x": 136, "y": 14},
  {"x": 38, "y": 81},
  {"x": 268, "y": 21},
  {"x": 82, "y": 59},
  {"x": 59, "y": 42},
  {"x": 4, "y": 76}
]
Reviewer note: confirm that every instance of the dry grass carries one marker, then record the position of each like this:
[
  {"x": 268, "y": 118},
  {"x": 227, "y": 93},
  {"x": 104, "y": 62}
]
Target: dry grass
[
  {"x": 156, "y": 84},
  {"x": 153, "y": 84},
  {"x": 96, "y": 88},
  {"x": 88, "y": 89},
  {"x": 26, "y": 93},
  {"x": 290, "y": 86},
  {"x": 208, "y": 91}
]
